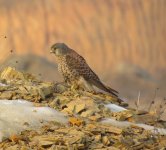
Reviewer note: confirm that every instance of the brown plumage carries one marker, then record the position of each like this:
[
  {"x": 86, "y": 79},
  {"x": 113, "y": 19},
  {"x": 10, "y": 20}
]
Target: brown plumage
[{"x": 74, "y": 68}]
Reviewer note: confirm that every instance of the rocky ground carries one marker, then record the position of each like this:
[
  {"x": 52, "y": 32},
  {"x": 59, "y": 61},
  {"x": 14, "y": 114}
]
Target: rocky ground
[{"x": 86, "y": 113}]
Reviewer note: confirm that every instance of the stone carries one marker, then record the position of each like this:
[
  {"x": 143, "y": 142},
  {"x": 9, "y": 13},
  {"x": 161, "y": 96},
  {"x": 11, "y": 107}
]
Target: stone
[
  {"x": 98, "y": 138},
  {"x": 45, "y": 90},
  {"x": 87, "y": 113},
  {"x": 10, "y": 73},
  {"x": 105, "y": 140},
  {"x": 76, "y": 121},
  {"x": 70, "y": 109},
  {"x": 95, "y": 117},
  {"x": 85, "y": 128},
  {"x": 80, "y": 108},
  {"x": 6, "y": 95}
]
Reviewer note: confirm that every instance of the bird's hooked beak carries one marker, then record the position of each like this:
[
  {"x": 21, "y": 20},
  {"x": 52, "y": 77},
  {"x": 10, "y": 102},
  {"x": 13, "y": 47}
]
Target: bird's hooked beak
[{"x": 51, "y": 51}]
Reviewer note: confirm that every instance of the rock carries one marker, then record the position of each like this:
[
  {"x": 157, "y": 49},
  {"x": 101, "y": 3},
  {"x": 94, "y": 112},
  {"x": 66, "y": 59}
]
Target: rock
[
  {"x": 70, "y": 109},
  {"x": 87, "y": 113},
  {"x": 105, "y": 140},
  {"x": 98, "y": 138},
  {"x": 15, "y": 138},
  {"x": 60, "y": 88},
  {"x": 141, "y": 112},
  {"x": 15, "y": 147},
  {"x": 123, "y": 115},
  {"x": 85, "y": 129},
  {"x": 6, "y": 95},
  {"x": 146, "y": 118},
  {"x": 79, "y": 108},
  {"x": 47, "y": 140},
  {"x": 10, "y": 73},
  {"x": 75, "y": 121},
  {"x": 76, "y": 132},
  {"x": 95, "y": 117},
  {"x": 111, "y": 148},
  {"x": 41, "y": 90},
  {"x": 112, "y": 129},
  {"x": 23, "y": 89},
  {"x": 45, "y": 90}
]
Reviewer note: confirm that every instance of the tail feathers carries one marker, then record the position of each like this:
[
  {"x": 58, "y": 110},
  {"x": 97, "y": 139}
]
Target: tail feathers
[
  {"x": 101, "y": 86},
  {"x": 112, "y": 90}
]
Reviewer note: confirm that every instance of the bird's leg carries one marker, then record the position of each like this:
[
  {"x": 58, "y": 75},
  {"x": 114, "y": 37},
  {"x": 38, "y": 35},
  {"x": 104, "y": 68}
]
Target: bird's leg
[{"x": 74, "y": 86}]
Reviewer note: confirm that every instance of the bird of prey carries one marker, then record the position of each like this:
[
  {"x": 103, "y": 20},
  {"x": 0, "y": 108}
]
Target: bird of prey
[{"x": 74, "y": 69}]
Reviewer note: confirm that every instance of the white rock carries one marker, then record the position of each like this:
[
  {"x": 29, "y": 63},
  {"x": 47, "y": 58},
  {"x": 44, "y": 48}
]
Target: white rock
[
  {"x": 124, "y": 124},
  {"x": 1, "y": 84},
  {"x": 115, "y": 108},
  {"x": 19, "y": 115}
]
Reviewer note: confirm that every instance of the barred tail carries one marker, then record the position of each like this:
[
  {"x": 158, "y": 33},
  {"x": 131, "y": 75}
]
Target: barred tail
[{"x": 101, "y": 86}]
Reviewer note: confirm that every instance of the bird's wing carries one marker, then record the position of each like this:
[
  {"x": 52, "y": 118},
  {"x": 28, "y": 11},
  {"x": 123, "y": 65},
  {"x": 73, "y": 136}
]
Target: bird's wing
[{"x": 78, "y": 63}]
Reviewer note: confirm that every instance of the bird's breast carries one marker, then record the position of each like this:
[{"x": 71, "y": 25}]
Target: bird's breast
[{"x": 67, "y": 70}]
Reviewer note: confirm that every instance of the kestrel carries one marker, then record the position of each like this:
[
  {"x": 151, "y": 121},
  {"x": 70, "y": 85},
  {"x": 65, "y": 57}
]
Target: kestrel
[{"x": 74, "y": 68}]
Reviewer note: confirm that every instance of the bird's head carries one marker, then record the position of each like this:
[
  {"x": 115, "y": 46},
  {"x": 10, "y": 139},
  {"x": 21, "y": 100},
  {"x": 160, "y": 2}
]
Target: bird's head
[{"x": 59, "y": 49}]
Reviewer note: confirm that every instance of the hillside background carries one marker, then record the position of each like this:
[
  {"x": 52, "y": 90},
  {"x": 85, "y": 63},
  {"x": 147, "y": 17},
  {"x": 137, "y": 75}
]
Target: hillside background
[{"x": 123, "y": 41}]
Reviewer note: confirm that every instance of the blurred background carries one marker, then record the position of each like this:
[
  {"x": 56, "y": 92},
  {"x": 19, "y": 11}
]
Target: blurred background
[{"x": 122, "y": 41}]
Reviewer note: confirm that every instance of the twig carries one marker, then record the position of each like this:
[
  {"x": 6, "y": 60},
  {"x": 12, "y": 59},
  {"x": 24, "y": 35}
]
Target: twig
[
  {"x": 153, "y": 101},
  {"x": 138, "y": 100}
]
